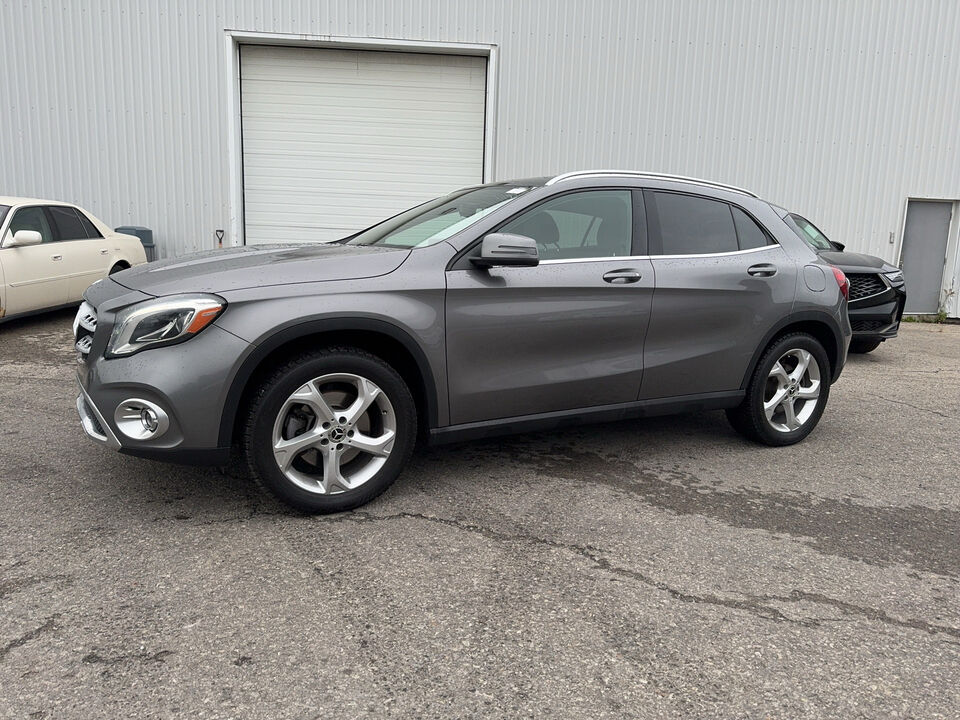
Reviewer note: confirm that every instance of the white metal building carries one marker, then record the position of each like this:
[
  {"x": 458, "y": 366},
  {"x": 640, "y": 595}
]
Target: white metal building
[{"x": 278, "y": 120}]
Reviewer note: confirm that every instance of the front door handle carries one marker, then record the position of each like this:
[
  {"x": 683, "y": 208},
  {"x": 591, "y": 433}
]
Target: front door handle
[
  {"x": 622, "y": 276},
  {"x": 762, "y": 270},
  {"x": 56, "y": 257}
]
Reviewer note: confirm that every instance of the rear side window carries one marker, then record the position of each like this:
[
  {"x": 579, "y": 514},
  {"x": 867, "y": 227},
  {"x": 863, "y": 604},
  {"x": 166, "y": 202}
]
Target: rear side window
[
  {"x": 89, "y": 229},
  {"x": 748, "y": 232},
  {"x": 691, "y": 225},
  {"x": 68, "y": 223}
]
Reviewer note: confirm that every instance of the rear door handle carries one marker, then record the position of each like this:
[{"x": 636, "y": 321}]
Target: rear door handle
[
  {"x": 622, "y": 276},
  {"x": 762, "y": 270},
  {"x": 103, "y": 251},
  {"x": 56, "y": 257}
]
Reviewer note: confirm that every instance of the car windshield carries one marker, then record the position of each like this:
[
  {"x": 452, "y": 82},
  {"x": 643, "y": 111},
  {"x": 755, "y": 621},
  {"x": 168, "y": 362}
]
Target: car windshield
[
  {"x": 3, "y": 212},
  {"x": 438, "y": 219},
  {"x": 808, "y": 232}
]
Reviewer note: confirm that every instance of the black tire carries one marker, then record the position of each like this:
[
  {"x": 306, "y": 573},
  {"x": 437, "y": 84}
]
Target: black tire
[
  {"x": 749, "y": 418},
  {"x": 862, "y": 347},
  {"x": 116, "y": 268},
  {"x": 271, "y": 397}
]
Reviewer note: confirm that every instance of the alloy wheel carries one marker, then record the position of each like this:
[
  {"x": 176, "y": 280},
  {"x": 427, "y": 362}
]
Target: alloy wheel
[
  {"x": 334, "y": 433},
  {"x": 792, "y": 389}
]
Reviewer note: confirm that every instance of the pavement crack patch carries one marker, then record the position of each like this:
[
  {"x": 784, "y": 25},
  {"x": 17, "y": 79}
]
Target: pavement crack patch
[
  {"x": 591, "y": 554},
  {"x": 911, "y": 405},
  {"x": 14, "y": 585},
  {"x": 761, "y": 606},
  {"x": 869, "y": 613},
  {"x": 47, "y": 625}
]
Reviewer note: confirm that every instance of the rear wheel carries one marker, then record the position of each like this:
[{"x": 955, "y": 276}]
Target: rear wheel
[
  {"x": 861, "y": 347},
  {"x": 331, "y": 430},
  {"x": 787, "y": 392},
  {"x": 116, "y": 268}
]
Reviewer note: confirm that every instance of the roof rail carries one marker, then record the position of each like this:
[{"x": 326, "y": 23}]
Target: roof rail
[{"x": 652, "y": 175}]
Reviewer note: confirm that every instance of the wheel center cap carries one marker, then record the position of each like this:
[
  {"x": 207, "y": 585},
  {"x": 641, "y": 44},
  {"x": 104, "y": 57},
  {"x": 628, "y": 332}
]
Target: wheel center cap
[{"x": 337, "y": 434}]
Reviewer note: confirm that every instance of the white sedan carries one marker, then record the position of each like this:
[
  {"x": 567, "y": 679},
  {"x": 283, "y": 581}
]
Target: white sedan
[{"x": 50, "y": 252}]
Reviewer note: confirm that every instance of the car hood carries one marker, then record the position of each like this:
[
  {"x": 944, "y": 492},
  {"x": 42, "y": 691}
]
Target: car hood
[
  {"x": 259, "y": 266},
  {"x": 856, "y": 262}
]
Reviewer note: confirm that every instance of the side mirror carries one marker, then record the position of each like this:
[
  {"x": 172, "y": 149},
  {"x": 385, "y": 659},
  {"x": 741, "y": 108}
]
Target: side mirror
[
  {"x": 22, "y": 238},
  {"x": 509, "y": 250},
  {"x": 839, "y": 246}
]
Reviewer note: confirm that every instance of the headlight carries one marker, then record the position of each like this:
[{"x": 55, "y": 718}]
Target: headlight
[
  {"x": 895, "y": 277},
  {"x": 163, "y": 321}
]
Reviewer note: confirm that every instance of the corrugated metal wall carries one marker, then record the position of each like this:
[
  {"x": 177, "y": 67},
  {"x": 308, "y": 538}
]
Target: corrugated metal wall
[{"x": 840, "y": 110}]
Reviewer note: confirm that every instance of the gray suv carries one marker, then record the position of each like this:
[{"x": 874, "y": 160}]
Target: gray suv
[{"x": 501, "y": 308}]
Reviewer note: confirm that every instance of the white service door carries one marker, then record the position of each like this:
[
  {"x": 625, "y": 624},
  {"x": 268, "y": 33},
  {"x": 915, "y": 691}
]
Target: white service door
[{"x": 336, "y": 140}]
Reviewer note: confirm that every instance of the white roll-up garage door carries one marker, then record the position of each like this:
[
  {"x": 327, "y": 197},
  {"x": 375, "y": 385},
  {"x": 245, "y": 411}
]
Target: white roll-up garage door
[{"x": 335, "y": 140}]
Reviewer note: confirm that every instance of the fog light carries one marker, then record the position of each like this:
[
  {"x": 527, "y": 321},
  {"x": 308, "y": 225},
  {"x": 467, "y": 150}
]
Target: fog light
[
  {"x": 150, "y": 420},
  {"x": 141, "y": 419}
]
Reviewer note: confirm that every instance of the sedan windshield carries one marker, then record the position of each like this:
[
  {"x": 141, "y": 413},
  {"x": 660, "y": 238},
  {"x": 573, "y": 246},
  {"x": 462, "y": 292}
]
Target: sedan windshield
[
  {"x": 438, "y": 219},
  {"x": 808, "y": 232}
]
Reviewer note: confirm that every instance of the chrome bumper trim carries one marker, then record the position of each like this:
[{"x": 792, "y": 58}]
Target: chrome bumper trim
[{"x": 90, "y": 418}]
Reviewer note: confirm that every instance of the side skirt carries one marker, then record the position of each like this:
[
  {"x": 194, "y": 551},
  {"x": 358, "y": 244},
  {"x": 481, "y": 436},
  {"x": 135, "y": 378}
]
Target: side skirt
[{"x": 580, "y": 416}]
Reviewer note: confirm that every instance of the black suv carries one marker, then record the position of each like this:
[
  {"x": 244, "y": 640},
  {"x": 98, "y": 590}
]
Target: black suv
[{"x": 877, "y": 290}]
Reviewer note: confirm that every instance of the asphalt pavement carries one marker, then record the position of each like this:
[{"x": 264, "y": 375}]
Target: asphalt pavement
[{"x": 653, "y": 569}]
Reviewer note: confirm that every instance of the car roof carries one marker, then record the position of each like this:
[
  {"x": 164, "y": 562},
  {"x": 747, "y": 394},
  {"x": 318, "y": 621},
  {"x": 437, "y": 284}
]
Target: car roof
[{"x": 9, "y": 200}]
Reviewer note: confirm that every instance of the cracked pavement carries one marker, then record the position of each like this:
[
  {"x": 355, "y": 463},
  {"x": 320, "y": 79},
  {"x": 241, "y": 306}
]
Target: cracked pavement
[{"x": 650, "y": 569}]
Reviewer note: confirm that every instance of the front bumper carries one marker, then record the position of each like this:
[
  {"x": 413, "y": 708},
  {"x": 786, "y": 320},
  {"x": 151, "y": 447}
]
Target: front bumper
[
  {"x": 878, "y": 317},
  {"x": 189, "y": 382}
]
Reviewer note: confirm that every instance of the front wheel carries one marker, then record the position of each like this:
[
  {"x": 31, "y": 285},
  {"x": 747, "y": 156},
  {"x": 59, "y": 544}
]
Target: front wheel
[
  {"x": 787, "y": 392},
  {"x": 331, "y": 430}
]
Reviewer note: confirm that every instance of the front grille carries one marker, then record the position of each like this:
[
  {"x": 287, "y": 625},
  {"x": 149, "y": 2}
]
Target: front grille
[
  {"x": 84, "y": 326},
  {"x": 864, "y": 286},
  {"x": 867, "y": 325}
]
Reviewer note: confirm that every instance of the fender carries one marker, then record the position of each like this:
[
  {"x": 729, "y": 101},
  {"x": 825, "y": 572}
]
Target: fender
[
  {"x": 797, "y": 317},
  {"x": 312, "y": 327}
]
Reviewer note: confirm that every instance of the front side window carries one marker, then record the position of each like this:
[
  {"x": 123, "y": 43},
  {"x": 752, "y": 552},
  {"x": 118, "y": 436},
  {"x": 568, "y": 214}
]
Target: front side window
[
  {"x": 691, "y": 225},
  {"x": 68, "y": 223},
  {"x": 588, "y": 224},
  {"x": 32, "y": 218},
  {"x": 4, "y": 209},
  {"x": 438, "y": 219}
]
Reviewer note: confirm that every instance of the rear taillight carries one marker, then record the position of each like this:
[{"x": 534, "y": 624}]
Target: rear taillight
[{"x": 842, "y": 282}]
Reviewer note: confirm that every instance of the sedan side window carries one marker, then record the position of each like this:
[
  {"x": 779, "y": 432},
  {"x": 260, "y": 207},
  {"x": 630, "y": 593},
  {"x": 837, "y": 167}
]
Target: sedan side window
[
  {"x": 89, "y": 229},
  {"x": 32, "y": 218},
  {"x": 68, "y": 223},
  {"x": 691, "y": 225},
  {"x": 589, "y": 224}
]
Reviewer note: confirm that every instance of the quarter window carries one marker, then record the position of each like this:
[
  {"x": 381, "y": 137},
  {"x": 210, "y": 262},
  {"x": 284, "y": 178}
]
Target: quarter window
[
  {"x": 89, "y": 229},
  {"x": 748, "y": 232},
  {"x": 594, "y": 223},
  {"x": 68, "y": 223},
  {"x": 692, "y": 225},
  {"x": 32, "y": 218}
]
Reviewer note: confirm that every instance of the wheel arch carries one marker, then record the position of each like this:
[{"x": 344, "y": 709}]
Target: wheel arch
[
  {"x": 387, "y": 341},
  {"x": 820, "y": 325}
]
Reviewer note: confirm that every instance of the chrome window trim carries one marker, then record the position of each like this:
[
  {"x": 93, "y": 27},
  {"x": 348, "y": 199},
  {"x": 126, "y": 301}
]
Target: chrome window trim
[{"x": 660, "y": 257}]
